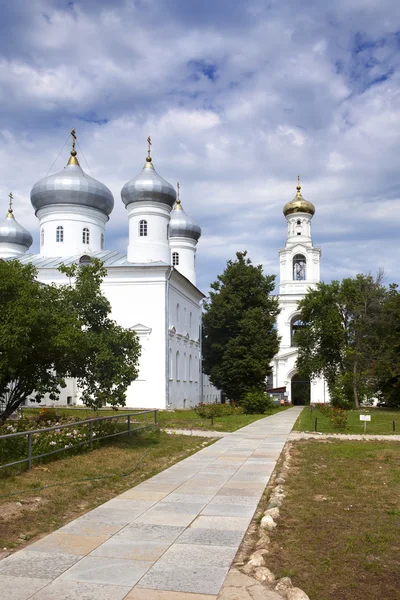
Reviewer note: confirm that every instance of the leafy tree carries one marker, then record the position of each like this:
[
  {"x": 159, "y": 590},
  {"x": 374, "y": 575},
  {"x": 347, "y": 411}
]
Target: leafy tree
[
  {"x": 386, "y": 366},
  {"x": 340, "y": 338},
  {"x": 50, "y": 332},
  {"x": 107, "y": 361},
  {"x": 239, "y": 334}
]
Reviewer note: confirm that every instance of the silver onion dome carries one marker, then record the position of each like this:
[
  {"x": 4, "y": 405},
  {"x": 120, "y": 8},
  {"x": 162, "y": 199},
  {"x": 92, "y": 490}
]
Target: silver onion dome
[
  {"x": 181, "y": 225},
  {"x": 72, "y": 186},
  {"x": 148, "y": 186},
  {"x": 11, "y": 232}
]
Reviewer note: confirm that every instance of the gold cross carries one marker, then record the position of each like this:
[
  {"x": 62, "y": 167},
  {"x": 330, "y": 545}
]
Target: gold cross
[
  {"x": 73, "y": 140},
  {"x": 298, "y": 183},
  {"x": 178, "y": 186},
  {"x": 149, "y": 147},
  {"x": 10, "y": 195}
]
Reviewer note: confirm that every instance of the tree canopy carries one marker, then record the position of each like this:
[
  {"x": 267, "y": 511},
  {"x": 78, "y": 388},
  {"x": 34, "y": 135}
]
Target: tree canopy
[
  {"x": 49, "y": 332},
  {"x": 239, "y": 333},
  {"x": 342, "y": 336}
]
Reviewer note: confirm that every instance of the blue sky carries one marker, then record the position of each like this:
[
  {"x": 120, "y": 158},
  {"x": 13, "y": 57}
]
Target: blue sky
[{"x": 238, "y": 96}]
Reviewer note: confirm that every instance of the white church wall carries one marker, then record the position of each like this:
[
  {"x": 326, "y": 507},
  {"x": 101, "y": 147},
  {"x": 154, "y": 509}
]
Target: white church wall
[
  {"x": 154, "y": 246},
  {"x": 70, "y": 240},
  {"x": 137, "y": 297},
  {"x": 186, "y": 250},
  {"x": 211, "y": 394},
  {"x": 184, "y": 344}
]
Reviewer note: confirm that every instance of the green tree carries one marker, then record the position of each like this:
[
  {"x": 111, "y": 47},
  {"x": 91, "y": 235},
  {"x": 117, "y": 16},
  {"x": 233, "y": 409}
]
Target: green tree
[
  {"x": 50, "y": 332},
  {"x": 340, "y": 338},
  {"x": 239, "y": 334},
  {"x": 107, "y": 361},
  {"x": 386, "y": 365}
]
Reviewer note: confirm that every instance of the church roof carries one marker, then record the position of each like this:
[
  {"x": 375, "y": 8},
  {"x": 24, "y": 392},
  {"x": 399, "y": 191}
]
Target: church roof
[{"x": 109, "y": 258}]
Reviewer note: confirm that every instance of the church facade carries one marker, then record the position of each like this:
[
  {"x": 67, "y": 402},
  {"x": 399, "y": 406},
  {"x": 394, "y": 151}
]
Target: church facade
[
  {"x": 152, "y": 288},
  {"x": 299, "y": 263}
]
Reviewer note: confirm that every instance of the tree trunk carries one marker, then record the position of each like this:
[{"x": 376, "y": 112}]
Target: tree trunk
[{"x": 355, "y": 388}]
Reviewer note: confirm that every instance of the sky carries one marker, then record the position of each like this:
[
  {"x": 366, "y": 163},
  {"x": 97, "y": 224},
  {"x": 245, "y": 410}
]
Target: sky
[{"x": 239, "y": 97}]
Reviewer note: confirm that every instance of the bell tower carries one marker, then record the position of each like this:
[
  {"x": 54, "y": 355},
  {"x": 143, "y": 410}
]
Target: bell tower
[{"x": 299, "y": 271}]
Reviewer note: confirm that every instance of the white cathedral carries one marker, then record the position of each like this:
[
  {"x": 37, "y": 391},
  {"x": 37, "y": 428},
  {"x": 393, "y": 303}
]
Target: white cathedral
[{"x": 152, "y": 288}]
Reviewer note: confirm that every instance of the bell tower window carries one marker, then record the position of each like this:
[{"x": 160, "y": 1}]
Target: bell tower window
[
  {"x": 143, "y": 228},
  {"x": 175, "y": 259},
  {"x": 85, "y": 235},
  {"x": 102, "y": 241},
  {"x": 295, "y": 326},
  {"x": 42, "y": 237},
  {"x": 299, "y": 267},
  {"x": 59, "y": 234}
]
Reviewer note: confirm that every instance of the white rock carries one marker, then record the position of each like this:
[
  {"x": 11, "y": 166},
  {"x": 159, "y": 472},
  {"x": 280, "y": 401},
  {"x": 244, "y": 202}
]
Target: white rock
[
  {"x": 272, "y": 512},
  {"x": 268, "y": 523},
  {"x": 278, "y": 489},
  {"x": 258, "y": 553},
  {"x": 264, "y": 575},
  {"x": 296, "y": 594},
  {"x": 280, "y": 479},
  {"x": 274, "y": 502},
  {"x": 263, "y": 541},
  {"x": 284, "y": 584}
]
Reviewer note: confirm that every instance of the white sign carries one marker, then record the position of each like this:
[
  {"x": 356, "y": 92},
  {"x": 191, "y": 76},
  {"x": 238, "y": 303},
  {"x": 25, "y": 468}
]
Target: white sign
[{"x": 365, "y": 417}]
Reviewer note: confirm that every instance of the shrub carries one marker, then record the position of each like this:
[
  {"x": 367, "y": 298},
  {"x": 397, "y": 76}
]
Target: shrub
[
  {"x": 337, "y": 416},
  {"x": 207, "y": 411},
  {"x": 256, "y": 402}
]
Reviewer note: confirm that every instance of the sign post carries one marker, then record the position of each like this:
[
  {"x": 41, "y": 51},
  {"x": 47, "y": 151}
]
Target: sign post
[{"x": 365, "y": 418}]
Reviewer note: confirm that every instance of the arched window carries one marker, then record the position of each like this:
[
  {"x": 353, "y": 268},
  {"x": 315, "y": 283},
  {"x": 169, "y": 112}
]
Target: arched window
[
  {"x": 85, "y": 260},
  {"x": 175, "y": 259},
  {"x": 59, "y": 234},
  {"x": 299, "y": 267},
  {"x": 295, "y": 326},
  {"x": 184, "y": 367},
  {"x": 190, "y": 321},
  {"x": 85, "y": 235},
  {"x": 171, "y": 371},
  {"x": 184, "y": 316},
  {"x": 196, "y": 369},
  {"x": 177, "y": 313},
  {"x": 167, "y": 232},
  {"x": 102, "y": 241},
  {"x": 177, "y": 367},
  {"x": 143, "y": 228},
  {"x": 190, "y": 368},
  {"x": 42, "y": 237}
]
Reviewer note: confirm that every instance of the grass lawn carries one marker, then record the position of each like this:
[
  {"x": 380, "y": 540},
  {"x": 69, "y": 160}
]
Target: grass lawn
[
  {"x": 32, "y": 511},
  {"x": 338, "y": 536},
  {"x": 176, "y": 419},
  {"x": 381, "y": 421},
  {"x": 188, "y": 419}
]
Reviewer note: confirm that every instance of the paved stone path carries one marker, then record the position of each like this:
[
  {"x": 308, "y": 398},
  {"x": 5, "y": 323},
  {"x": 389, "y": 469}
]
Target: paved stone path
[
  {"x": 197, "y": 432},
  {"x": 172, "y": 537}
]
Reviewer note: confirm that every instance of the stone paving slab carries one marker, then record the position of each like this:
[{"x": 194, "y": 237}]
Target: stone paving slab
[
  {"x": 20, "y": 588},
  {"x": 138, "y": 594},
  {"x": 78, "y": 590},
  {"x": 172, "y": 537}
]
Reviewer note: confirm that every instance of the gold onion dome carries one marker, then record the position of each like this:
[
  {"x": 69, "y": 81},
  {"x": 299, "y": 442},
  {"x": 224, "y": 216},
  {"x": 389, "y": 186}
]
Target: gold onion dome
[{"x": 298, "y": 204}]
